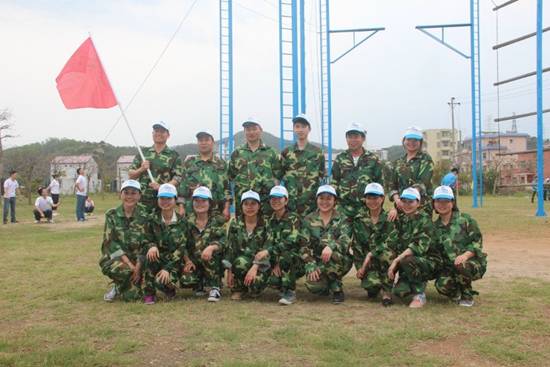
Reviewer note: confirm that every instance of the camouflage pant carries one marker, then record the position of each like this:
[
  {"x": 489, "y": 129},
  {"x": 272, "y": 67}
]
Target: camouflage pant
[
  {"x": 240, "y": 267},
  {"x": 207, "y": 273},
  {"x": 292, "y": 269},
  {"x": 331, "y": 274},
  {"x": 414, "y": 272},
  {"x": 121, "y": 275},
  {"x": 376, "y": 276},
  {"x": 456, "y": 282},
  {"x": 152, "y": 285}
]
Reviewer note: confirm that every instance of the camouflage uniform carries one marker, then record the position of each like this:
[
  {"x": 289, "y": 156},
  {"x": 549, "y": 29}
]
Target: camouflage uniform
[
  {"x": 211, "y": 173},
  {"x": 284, "y": 240},
  {"x": 171, "y": 241},
  {"x": 257, "y": 171},
  {"x": 241, "y": 248},
  {"x": 380, "y": 239},
  {"x": 209, "y": 273},
  {"x": 336, "y": 235},
  {"x": 303, "y": 171},
  {"x": 350, "y": 180},
  {"x": 165, "y": 166},
  {"x": 416, "y": 233},
  {"x": 124, "y": 236},
  {"x": 460, "y": 235},
  {"x": 415, "y": 173}
]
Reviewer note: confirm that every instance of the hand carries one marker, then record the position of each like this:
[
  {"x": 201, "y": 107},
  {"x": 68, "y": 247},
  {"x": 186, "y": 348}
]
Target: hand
[
  {"x": 460, "y": 260},
  {"x": 153, "y": 254},
  {"x": 163, "y": 277},
  {"x": 392, "y": 269},
  {"x": 392, "y": 215},
  {"x": 251, "y": 275},
  {"x": 361, "y": 272},
  {"x": 261, "y": 255},
  {"x": 326, "y": 254},
  {"x": 398, "y": 202},
  {"x": 226, "y": 213},
  {"x": 230, "y": 279},
  {"x": 189, "y": 267},
  {"x": 145, "y": 165},
  {"x": 42, "y": 215},
  {"x": 136, "y": 276},
  {"x": 314, "y": 276},
  {"x": 181, "y": 210},
  {"x": 207, "y": 253},
  {"x": 277, "y": 271},
  {"x": 154, "y": 185}
]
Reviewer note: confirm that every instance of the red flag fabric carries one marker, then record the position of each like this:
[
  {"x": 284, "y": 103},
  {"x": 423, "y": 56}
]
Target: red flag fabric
[{"x": 83, "y": 83}]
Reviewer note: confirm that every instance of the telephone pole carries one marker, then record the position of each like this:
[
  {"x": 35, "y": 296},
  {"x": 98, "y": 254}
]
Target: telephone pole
[{"x": 453, "y": 135}]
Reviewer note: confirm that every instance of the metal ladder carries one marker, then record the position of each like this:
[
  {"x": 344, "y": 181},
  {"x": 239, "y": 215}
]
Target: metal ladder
[
  {"x": 325, "y": 64},
  {"x": 476, "y": 95},
  {"x": 226, "y": 79}
]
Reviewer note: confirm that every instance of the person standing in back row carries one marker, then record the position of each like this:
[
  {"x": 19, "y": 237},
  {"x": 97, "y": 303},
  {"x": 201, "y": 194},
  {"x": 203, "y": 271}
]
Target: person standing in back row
[
  {"x": 54, "y": 187},
  {"x": 81, "y": 190},
  {"x": 10, "y": 192}
]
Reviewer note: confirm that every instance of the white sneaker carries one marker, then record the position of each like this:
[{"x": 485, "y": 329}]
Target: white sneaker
[
  {"x": 418, "y": 301},
  {"x": 466, "y": 302},
  {"x": 111, "y": 295},
  {"x": 37, "y": 221},
  {"x": 214, "y": 295},
  {"x": 288, "y": 298}
]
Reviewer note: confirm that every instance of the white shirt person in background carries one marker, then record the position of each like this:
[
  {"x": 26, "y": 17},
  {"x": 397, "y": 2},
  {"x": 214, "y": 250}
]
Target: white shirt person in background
[
  {"x": 54, "y": 189},
  {"x": 81, "y": 190},
  {"x": 10, "y": 189},
  {"x": 43, "y": 206}
]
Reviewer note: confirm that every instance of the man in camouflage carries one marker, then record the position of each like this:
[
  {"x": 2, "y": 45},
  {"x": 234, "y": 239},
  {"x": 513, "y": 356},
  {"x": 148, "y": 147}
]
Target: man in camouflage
[
  {"x": 326, "y": 252},
  {"x": 206, "y": 239},
  {"x": 303, "y": 169},
  {"x": 125, "y": 237},
  {"x": 418, "y": 257},
  {"x": 164, "y": 257},
  {"x": 205, "y": 169},
  {"x": 413, "y": 169},
  {"x": 164, "y": 163},
  {"x": 254, "y": 166},
  {"x": 375, "y": 245},
  {"x": 459, "y": 241},
  {"x": 353, "y": 169}
]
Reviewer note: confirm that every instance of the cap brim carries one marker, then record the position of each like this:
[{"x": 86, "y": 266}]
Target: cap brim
[
  {"x": 374, "y": 193},
  {"x": 166, "y": 195},
  {"x": 356, "y": 132},
  {"x": 202, "y": 133},
  {"x": 157, "y": 126},
  {"x": 245, "y": 199},
  {"x": 250, "y": 123},
  {"x": 443, "y": 197},
  {"x": 409, "y": 197},
  {"x": 201, "y": 197},
  {"x": 130, "y": 187},
  {"x": 300, "y": 119},
  {"x": 413, "y": 136},
  {"x": 277, "y": 196},
  {"x": 327, "y": 192}
]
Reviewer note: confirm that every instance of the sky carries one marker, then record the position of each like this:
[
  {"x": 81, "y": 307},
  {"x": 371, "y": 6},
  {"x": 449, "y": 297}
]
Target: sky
[{"x": 396, "y": 79}]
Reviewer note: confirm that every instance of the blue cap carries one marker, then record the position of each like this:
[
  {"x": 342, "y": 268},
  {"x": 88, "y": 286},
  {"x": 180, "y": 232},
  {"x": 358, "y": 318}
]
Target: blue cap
[{"x": 414, "y": 132}]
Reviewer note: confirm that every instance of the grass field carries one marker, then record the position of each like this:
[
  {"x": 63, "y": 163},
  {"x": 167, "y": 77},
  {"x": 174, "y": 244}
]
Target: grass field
[{"x": 52, "y": 312}]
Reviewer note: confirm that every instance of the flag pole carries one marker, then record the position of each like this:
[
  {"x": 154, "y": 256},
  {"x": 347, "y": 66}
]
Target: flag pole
[{"x": 123, "y": 113}]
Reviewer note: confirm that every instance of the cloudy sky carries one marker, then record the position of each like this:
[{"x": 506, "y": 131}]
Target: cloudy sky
[{"x": 398, "y": 78}]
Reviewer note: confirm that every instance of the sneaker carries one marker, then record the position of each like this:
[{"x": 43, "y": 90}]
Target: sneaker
[
  {"x": 387, "y": 302},
  {"x": 288, "y": 298},
  {"x": 149, "y": 300},
  {"x": 214, "y": 295},
  {"x": 338, "y": 297},
  {"x": 418, "y": 301},
  {"x": 199, "y": 292},
  {"x": 36, "y": 221},
  {"x": 236, "y": 296},
  {"x": 466, "y": 302},
  {"x": 111, "y": 295},
  {"x": 170, "y": 293},
  {"x": 50, "y": 220}
]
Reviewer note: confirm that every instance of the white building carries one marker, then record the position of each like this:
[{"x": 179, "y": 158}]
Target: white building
[
  {"x": 123, "y": 164},
  {"x": 66, "y": 166}
]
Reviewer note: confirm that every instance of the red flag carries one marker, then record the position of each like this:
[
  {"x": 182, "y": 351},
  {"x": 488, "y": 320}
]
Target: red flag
[{"x": 83, "y": 82}]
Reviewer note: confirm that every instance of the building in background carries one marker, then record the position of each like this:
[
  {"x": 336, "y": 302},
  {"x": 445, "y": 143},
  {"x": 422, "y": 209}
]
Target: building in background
[
  {"x": 66, "y": 165},
  {"x": 123, "y": 164},
  {"x": 520, "y": 168},
  {"x": 438, "y": 143}
]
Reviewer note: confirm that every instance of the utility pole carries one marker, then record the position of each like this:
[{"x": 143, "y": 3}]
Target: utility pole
[{"x": 453, "y": 136}]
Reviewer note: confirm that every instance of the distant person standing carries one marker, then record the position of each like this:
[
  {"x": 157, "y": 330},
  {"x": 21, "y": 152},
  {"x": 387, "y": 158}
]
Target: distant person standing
[
  {"x": 451, "y": 180},
  {"x": 43, "y": 206},
  {"x": 164, "y": 163},
  {"x": 81, "y": 190},
  {"x": 10, "y": 189},
  {"x": 54, "y": 187},
  {"x": 534, "y": 189}
]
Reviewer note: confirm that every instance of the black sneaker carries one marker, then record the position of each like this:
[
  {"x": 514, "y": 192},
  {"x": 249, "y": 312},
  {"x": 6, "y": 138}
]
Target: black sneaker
[
  {"x": 338, "y": 297},
  {"x": 170, "y": 293},
  {"x": 372, "y": 295},
  {"x": 387, "y": 302}
]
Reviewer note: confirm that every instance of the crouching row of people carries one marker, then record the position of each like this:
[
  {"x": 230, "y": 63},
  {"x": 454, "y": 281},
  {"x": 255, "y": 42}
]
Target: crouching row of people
[{"x": 145, "y": 253}]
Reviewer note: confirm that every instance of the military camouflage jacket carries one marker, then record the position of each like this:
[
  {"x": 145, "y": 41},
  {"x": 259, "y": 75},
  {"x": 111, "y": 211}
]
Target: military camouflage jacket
[
  {"x": 165, "y": 166},
  {"x": 303, "y": 171},
  {"x": 213, "y": 233},
  {"x": 461, "y": 234},
  {"x": 211, "y": 173},
  {"x": 285, "y": 235},
  {"x": 337, "y": 235},
  {"x": 350, "y": 180},
  {"x": 241, "y": 243},
  {"x": 256, "y": 170},
  {"x": 126, "y": 236},
  {"x": 378, "y": 238},
  {"x": 415, "y": 173},
  {"x": 170, "y": 239},
  {"x": 416, "y": 233}
]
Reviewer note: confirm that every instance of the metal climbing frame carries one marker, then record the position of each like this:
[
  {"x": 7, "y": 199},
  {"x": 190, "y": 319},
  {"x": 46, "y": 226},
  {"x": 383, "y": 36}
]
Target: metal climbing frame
[{"x": 226, "y": 142}]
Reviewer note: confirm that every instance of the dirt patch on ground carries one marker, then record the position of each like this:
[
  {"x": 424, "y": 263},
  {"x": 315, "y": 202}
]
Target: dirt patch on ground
[{"x": 453, "y": 349}]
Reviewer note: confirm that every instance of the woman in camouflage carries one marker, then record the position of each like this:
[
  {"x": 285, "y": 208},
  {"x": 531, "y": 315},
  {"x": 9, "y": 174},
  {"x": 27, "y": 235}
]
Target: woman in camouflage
[
  {"x": 245, "y": 238},
  {"x": 460, "y": 244}
]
